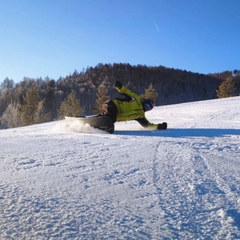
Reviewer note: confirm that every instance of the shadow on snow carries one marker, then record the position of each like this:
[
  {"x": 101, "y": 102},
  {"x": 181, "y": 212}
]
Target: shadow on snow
[{"x": 181, "y": 133}]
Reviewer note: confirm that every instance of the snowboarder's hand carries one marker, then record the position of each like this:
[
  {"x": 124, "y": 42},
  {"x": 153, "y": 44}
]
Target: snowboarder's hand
[
  {"x": 104, "y": 109},
  {"x": 162, "y": 126},
  {"x": 118, "y": 84}
]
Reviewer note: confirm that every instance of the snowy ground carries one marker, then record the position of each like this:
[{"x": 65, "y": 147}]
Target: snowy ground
[{"x": 182, "y": 183}]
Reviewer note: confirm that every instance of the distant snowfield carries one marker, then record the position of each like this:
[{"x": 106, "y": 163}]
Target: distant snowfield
[{"x": 75, "y": 182}]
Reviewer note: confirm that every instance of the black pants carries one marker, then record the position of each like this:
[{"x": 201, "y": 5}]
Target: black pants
[{"x": 112, "y": 111}]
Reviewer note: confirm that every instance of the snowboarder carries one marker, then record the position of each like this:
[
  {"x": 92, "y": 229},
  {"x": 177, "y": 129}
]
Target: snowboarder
[{"x": 131, "y": 107}]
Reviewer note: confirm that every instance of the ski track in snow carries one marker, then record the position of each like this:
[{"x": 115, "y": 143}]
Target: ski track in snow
[
  {"x": 75, "y": 182},
  {"x": 196, "y": 197}
]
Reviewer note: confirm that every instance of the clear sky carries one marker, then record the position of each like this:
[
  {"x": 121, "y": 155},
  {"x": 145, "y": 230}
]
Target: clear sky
[{"x": 40, "y": 38}]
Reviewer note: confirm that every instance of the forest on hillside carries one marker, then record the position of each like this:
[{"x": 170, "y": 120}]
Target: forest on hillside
[{"x": 171, "y": 85}]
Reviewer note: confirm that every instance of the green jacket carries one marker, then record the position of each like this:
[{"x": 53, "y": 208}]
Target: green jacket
[{"x": 131, "y": 108}]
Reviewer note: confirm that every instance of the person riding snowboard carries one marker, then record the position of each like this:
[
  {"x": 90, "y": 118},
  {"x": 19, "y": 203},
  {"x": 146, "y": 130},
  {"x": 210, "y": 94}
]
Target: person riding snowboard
[{"x": 131, "y": 107}]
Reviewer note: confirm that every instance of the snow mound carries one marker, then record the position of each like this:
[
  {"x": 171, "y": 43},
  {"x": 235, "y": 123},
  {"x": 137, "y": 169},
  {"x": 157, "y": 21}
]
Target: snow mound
[{"x": 75, "y": 127}]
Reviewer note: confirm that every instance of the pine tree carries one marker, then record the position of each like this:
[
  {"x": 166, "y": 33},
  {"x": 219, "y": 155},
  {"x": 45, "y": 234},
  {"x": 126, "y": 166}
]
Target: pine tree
[
  {"x": 102, "y": 97},
  {"x": 150, "y": 93},
  {"x": 226, "y": 88},
  {"x": 70, "y": 107},
  {"x": 40, "y": 115},
  {"x": 32, "y": 111}
]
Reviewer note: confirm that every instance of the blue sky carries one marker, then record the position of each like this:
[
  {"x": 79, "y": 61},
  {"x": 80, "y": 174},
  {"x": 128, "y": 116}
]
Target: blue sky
[{"x": 52, "y": 38}]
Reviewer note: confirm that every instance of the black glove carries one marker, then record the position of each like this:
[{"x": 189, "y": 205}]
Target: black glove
[
  {"x": 162, "y": 126},
  {"x": 118, "y": 84}
]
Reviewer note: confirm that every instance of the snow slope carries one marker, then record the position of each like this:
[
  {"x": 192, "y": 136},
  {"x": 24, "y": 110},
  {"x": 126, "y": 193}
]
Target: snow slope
[{"x": 75, "y": 182}]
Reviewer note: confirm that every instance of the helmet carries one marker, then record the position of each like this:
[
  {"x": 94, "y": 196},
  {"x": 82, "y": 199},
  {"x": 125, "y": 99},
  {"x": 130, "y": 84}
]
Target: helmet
[{"x": 148, "y": 104}]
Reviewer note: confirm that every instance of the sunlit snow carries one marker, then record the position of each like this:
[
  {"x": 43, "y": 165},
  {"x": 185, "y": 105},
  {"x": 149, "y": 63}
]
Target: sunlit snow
[{"x": 76, "y": 182}]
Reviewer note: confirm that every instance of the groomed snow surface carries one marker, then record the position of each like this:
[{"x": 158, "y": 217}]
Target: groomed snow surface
[{"x": 75, "y": 182}]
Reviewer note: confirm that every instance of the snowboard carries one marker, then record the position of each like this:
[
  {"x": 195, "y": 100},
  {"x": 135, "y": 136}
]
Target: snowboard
[{"x": 97, "y": 121}]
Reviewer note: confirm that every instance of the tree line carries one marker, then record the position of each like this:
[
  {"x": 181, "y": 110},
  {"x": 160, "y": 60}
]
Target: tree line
[{"x": 39, "y": 100}]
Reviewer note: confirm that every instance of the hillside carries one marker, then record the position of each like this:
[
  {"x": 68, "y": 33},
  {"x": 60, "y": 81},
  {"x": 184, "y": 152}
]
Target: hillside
[
  {"x": 75, "y": 182},
  {"x": 43, "y": 98}
]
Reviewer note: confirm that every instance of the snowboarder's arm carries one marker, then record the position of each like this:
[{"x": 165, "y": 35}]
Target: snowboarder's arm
[
  {"x": 125, "y": 91},
  {"x": 146, "y": 124}
]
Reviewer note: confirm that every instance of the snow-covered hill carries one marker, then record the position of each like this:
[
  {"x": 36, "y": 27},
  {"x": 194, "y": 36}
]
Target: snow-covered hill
[{"x": 75, "y": 182}]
